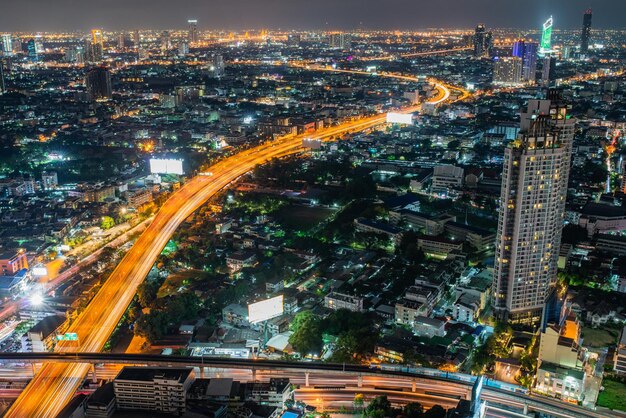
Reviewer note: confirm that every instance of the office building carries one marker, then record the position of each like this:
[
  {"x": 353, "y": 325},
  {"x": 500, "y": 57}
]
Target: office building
[
  {"x": 446, "y": 178},
  {"x": 548, "y": 71},
  {"x": 121, "y": 40},
  {"x": 31, "y": 49},
  {"x": 586, "y": 33},
  {"x": 49, "y": 180},
  {"x": 98, "y": 82},
  {"x": 482, "y": 41},
  {"x": 341, "y": 41},
  {"x": 507, "y": 71},
  {"x": 183, "y": 48},
  {"x": 335, "y": 301},
  {"x": 7, "y": 45},
  {"x": 546, "y": 37},
  {"x": 42, "y": 337},
  {"x": 136, "y": 39},
  {"x": 3, "y": 87},
  {"x": 193, "y": 31},
  {"x": 13, "y": 261},
  {"x": 219, "y": 68},
  {"x": 527, "y": 52},
  {"x": 96, "y": 46},
  {"x": 153, "y": 389},
  {"x": 166, "y": 42},
  {"x": 532, "y": 206}
]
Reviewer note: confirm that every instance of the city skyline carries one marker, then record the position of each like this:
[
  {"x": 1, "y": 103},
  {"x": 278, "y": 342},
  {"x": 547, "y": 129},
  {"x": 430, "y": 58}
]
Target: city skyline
[{"x": 278, "y": 14}]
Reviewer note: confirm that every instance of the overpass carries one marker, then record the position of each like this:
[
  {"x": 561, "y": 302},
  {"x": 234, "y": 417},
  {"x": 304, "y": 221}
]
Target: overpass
[{"x": 331, "y": 380}]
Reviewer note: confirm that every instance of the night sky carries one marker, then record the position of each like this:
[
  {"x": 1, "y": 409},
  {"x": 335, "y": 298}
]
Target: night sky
[{"x": 16, "y": 15}]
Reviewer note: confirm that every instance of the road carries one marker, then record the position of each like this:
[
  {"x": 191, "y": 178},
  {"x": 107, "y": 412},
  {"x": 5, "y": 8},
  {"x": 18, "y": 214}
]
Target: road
[{"x": 55, "y": 384}]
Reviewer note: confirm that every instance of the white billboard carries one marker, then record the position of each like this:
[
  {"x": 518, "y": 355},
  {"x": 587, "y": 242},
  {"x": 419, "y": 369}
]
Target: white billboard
[
  {"x": 404, "y": 118},
  {"x": 166, "y": 166},
  {"x": 265, "y": 309},
  {"x": 39, "y": 270}
]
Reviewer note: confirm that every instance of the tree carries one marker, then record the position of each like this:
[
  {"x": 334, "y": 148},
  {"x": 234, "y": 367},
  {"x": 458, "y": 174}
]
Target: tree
[
  {"x": 107, "y": 222},
  {"x": 378, "y": 405},
  {"x": 359, "y": 401},
  {"x": 147, "y": 292},
  {"x": 573, "y": 234},
  {"x": 454, "y": 144},
  {"x": 435, "y": 412},
  {"x": 307, "y": 336},
  {"x": 413, "y": 410}
]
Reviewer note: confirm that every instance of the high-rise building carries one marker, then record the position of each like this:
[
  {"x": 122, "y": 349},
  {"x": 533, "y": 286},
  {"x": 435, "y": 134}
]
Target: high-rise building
[
  {"x": 193, "y": 31},
  {"x": 2, "y": 85},
  {"x": 507, "y": 71},
  {"x": 532, "y": 209},
  {"x": 97, "y": 45},
  {"x": 98, "y": 82},
  {"x": 482, "y": 41},
  {"x": 341, "y": 41},
  {"x": 7, "y": 45},
  {"x": 49, "y": 180},
  {"x": 548, "y": 73},
  {"x": 586, "y": 33},
  {"x": 136, "y": 39},
  {"x": 546, "y": 37},
  {"x": 527, "y": 51},
  {"x": 219, "y": 68},
  {"x": 121, "y": 40},
  {"x": 183, "y": 48},
  {"x": 166, "y": 41},
  {"x": 31, "y": 50}
]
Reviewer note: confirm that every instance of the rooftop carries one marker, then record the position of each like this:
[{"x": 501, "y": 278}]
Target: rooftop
[{"x": 148, "y": 374}]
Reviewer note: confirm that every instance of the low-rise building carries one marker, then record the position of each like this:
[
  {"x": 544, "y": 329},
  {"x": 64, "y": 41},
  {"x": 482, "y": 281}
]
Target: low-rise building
[
  {"x": 619, "y": 361},
  {"x": 438, "y": 246},
  {"x": 424, "y": 326},
  {"x": 153, "y": 389},
  {"x": 43, "y": 336},
  {"x": 560, "y": 382},
  {"x": 235, "y": 314},
  {"x": 240, "y": 259},
  {"x": 102, "y": 403},
  {"x": 13, "y": 261},
  {"x": 446, "y": 178},
  {"x": 336, "y": 300}
]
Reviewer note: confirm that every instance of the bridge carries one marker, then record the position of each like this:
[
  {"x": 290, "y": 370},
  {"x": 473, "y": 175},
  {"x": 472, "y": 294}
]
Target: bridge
[{"x": 337, "y": 383}]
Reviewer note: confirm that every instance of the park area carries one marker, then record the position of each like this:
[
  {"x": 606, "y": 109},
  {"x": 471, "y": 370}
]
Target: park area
[
  {"x": 599, "y": 337},
  {"x": 613, "y": 396},
  {"x": 299, "y": 217}
]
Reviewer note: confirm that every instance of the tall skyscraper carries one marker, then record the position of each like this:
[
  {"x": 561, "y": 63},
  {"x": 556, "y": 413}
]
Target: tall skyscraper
[
  {"x": 532, "y": 209},
  {"x": 193, "y": 31},
  {"x": 586, "y": 33},
  {"x": 98, "y": 82},
  {"x": 2, "y": 85},
  {"x": 219, "y": 68},
  {"x": 548, "y": 71},
  {"x": 507, "y": 71},
  {"x": 31, "y": 50},
  {"x": 527, "y": 51},
  {"x": 341, "y": 41},
  {"x": 121, "y": 40},
  {"x": 136, "y": 39},
  {"x": 7, "y": 45},
  {"x": 482, "y": 41},
  {"x": 95, "y": 46},
  {"x": 166, "y": 41},
  {"x": 546, "y": 37}
]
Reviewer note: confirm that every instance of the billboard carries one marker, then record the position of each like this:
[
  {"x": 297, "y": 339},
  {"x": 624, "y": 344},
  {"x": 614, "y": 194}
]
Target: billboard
[
  {"x": 68, "y": 336},
  {"x": 265, "y": 309},
  {"x": 166, "y": 166},
  {"x": 39, "y": 270},
  {"x": 404, "y": 118}
]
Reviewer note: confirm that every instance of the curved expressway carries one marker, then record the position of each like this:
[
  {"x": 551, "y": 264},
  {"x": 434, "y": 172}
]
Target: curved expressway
[{"x": 56, "y": 383}]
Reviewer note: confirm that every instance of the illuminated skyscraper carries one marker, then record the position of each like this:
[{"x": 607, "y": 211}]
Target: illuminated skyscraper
[
  {"x": 482, "y": 41},
  {"x": 546, "y": 37},
  {"x": 121, "y": 40},
  {"x": 96, "y": 46},
  {"x": 527, "y": 51},
  {"x": 341, "y": 41},
  {"x": 98, "y": 82},
  {"x": 7, "y": 45},
  {"x": 507, "y": 71},
  {"x": 2, "y": 85},
  {"x": 193, "y": 31},
  {"x": 586, "y": 33},
  {"x": 532, "y": 210},
  {"x": 31, "y": 50},
  {"x": 219, "y": 68},
  {"x": 136, "y": 39}
]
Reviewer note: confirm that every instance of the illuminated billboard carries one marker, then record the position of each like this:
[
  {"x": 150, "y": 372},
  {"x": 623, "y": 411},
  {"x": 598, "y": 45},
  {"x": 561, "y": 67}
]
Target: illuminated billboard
[
  {"x": 546, "y": 36},
  {"x": 265, "y": 309},
  {"x": 166, "y": 166},
  {"x": 39, "y": 270},
  {"x": 403, "y": 118}
]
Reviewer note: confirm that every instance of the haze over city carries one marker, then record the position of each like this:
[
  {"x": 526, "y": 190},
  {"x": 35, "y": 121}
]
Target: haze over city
[
  {"x": 42, "y": 15},
  {"x": 297, "y": 209}
]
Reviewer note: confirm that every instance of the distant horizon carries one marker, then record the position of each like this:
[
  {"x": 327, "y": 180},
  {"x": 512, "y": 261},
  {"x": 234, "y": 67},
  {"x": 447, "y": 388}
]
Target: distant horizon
[{"x": 348, "y": 15}]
